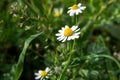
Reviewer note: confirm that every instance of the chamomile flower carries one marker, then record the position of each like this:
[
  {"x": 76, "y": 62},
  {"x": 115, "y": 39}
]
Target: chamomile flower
[
  {"x": 42, "y": 74},
  {"x": 58, "y": 12},
  {"x": 76, "y": 9},
  {"x": 67, "y": 33}
]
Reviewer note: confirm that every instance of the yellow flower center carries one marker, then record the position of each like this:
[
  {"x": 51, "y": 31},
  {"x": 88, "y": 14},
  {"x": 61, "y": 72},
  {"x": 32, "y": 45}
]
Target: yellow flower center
[
  {"x": 74, "y": 7},
  {"x": 43, "y": 73},
  {"x": 68, "y": 32},
  {"x": 57, "y": 14}
]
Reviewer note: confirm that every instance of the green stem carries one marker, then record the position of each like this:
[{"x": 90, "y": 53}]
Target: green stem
[
  {"x": 73, "y": 45},
  {"x": 109, "y": 57},
  {"x": 68, "y": 62},
  {"x": 109, "y": 66},
  {"x": 76, "y": 19}
]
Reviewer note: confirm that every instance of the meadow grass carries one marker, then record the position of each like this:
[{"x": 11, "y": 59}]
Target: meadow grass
[{"x": 60, "y": 40}]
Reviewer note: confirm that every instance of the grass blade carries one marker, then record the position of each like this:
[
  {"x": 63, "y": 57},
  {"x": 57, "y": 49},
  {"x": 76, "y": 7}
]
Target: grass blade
[{"x": 20, "y": 63}]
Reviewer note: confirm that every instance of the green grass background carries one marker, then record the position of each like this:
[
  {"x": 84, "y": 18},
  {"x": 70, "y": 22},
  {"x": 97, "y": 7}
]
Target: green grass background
[{"x": 100, "y": 35}]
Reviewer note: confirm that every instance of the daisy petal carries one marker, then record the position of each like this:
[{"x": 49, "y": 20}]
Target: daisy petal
[
  {"x": 66, "y": 33},
  {"x": 66, "y": 26},
  {"x": 42, "y": 74},
  {"x": 36, "y": 74},
  {"x": 59, "y": 34},
  {"x": 75, "y": 9},
  {"x": 47, "y": 69},
  {"x": 77, "y": 30},
  {"x": 64, "y": 39},
  {"x": 83, "y": 7},
  {"x": 79, "y": 4},
  {"x": 74, "y": 28},
  {"x": 37, "y": 77}
]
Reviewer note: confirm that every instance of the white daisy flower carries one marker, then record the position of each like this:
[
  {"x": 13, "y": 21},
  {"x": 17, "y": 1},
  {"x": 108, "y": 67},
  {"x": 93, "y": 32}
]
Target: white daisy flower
[
  {"x": 76, "y": 9},
  {"x": 58, "y": 11},
  {"x": 42, "y": 74},
  {"x": 67, "y": 33}
]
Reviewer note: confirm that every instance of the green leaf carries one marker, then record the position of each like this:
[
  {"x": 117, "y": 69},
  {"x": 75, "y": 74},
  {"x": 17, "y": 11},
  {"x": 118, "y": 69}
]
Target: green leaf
[
  {"x": 19, "y": 66},
  {"x": 97, "y": 47},
  {"x": 90, "y": 73},
  {"x": 111, "y": 58},
  {"x": 36, "y": 6},
  {"x": 83, "y": 72}
]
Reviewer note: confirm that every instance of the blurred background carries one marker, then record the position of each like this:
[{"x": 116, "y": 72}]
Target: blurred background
[{"x": 100, "y": 23}]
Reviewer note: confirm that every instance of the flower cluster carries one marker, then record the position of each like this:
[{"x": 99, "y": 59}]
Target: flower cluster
[
  {"x": 67, "y": 33},
  {"x": 15, "y": 9}
]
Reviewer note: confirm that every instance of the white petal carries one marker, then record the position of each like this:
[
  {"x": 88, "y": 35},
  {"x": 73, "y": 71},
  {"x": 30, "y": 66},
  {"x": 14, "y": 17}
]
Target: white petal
[
  {"x": 37, "y": 74},
  {"x": 41, "y": 78},
  {"x": 77, "y": 12},
  {"x": 72, "y": 14},
  {"x": 76, "y": 36},
  {"x": 47, "y": 69},
  {"x": 80, "y": 11},
  {"x": 60, "y": 31},
  {"x": 77, "y": 33},
  {"x": 69, "y": 7},
  {"x": 58, "y": 34},
  {"x": 68, "y": 11},
  {"x": 66, "y": 26},
  {"x": 63, "y": 28},
  {"x": 77, "y": 30},
  {"x": 72, "y": 37},
  {"x": 64, "y": 39},
  {"x": 40, "y": 71},
  {"x": 82, "y": 7},
  {"x": 69, "y": 38},
  {"x": 79, "y": 4},
  {"x": 38, "y": 77},
  {"x": 47, "y": 77},
  {"x": 61, "y": 38},
  {"x": 74, "y": 28},
  {"x": 61, "y": 10}
]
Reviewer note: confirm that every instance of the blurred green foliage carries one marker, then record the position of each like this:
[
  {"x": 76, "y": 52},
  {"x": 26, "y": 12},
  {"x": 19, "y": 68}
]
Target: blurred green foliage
[{"x": 100, "y": 27}]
